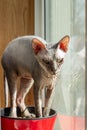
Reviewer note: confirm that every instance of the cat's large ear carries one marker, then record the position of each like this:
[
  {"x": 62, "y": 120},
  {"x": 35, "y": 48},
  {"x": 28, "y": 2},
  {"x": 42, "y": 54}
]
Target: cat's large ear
[
  {"x": 63, "y": 43},
  {"x": 37, "y": 45}
]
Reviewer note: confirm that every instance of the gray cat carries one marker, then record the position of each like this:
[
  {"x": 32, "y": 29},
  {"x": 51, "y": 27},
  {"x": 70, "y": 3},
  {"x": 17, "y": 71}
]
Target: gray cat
[{"x": 35, "y": 62}]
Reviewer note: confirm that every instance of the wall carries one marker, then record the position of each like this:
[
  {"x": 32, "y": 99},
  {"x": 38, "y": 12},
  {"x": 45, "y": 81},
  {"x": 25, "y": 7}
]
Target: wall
[{"x": 16, "y": 19}]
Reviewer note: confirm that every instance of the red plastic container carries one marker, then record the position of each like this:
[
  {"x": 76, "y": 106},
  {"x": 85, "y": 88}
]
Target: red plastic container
[{"x": 8, "y": 123}]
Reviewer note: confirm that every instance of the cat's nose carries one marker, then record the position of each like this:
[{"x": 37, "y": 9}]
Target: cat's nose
[{"x": 54, "y": 70}]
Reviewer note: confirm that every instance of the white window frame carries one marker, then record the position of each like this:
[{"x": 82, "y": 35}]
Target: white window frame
[{"x": 39, "y": 18}]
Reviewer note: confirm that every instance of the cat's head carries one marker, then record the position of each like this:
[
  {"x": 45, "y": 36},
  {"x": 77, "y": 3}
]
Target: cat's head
[{"x": 51, "y": 57}]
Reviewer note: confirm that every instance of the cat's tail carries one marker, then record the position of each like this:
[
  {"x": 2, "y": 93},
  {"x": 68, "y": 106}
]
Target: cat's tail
[{"x": 6, "y": 90}]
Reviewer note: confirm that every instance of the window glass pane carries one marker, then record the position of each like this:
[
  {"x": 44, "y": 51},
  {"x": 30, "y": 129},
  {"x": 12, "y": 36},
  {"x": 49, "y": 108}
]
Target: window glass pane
[{"x": 64, "y": 17}]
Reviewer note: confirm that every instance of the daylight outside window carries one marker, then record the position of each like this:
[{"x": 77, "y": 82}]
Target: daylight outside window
[{"x": 68, "y": 18}]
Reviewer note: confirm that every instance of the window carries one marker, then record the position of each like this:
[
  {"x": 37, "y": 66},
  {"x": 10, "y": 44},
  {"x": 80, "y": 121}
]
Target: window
[{"x": 62, "y": 17}]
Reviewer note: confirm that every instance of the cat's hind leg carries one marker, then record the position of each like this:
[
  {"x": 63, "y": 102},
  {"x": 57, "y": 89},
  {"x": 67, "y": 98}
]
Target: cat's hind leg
[
  {"x": 25, "y": 85},
  {"x": 12, "y": 84}
]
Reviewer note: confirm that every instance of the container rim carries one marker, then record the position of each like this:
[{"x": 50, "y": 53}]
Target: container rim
[{"x": 4, "y": 114}]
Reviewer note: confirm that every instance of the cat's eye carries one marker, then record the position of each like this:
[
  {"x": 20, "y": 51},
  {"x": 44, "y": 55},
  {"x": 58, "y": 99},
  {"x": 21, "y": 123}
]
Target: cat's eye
[
  {"x": 46, "y": 62},
  {"x": 60, "y": 60}
]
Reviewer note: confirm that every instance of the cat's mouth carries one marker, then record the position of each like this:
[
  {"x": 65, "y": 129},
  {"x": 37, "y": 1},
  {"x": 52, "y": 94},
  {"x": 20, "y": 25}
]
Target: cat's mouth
[{"x": 54, "y": 73}]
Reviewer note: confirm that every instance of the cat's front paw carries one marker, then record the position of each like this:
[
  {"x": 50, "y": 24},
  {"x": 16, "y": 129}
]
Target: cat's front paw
[{"x": 45, "y": 113}]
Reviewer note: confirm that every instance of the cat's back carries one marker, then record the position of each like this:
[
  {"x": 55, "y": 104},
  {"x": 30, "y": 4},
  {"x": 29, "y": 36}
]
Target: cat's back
[
  {"x": 18, "y": 48},
  {"x": 19, "y": 52},
  {"x": 22, "y": 44}
]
